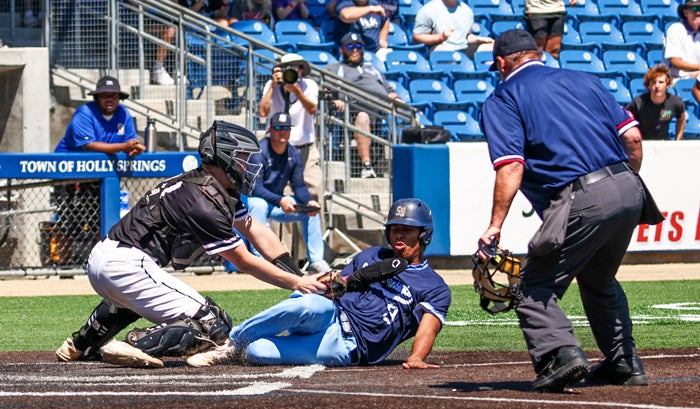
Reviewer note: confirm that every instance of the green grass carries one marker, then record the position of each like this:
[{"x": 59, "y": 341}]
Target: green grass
[{"x": 42, "y": 323}]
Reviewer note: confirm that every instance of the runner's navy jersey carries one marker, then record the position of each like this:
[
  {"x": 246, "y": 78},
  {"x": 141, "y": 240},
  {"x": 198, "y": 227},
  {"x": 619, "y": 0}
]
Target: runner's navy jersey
[
  {"x": 389, "y": 312},
  {"x": 178, "y": 214},
  {"x": 521, "y": 121}
]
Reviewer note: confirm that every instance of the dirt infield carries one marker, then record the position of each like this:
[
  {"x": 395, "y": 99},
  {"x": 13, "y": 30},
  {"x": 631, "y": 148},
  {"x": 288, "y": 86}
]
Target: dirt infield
[{"x": 465, "y": 379}]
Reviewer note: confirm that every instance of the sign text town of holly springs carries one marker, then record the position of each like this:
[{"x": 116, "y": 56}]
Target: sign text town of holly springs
[{"x": 100, "y": 165}]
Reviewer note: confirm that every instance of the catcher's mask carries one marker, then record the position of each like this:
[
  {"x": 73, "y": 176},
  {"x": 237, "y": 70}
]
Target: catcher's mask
[
  {"x": 498, "y": 280},
  {"x": 229, "y": 147}
]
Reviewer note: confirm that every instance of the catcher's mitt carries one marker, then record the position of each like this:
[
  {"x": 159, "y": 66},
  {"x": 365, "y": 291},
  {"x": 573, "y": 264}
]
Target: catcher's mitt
[
  {"x": 335, "y": 284},
  {"x": 498, "y": 280}
]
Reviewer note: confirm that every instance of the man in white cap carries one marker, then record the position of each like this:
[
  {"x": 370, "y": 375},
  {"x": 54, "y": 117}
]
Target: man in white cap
[
  {"x": 298, "y": 97},
  {"x": 682, "y": 46}
]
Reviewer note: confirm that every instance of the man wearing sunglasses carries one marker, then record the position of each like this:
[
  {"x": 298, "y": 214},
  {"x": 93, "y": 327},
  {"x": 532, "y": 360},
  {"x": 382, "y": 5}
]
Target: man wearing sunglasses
[
  {"x": 682, "y": 46},
  {"x": 363, "y": 74},
  {"x": 281, "y": 164}
]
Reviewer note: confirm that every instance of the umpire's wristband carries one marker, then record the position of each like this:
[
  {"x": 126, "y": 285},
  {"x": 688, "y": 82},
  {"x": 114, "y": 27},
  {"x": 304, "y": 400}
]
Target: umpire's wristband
[{"x": 286, "y": 263}]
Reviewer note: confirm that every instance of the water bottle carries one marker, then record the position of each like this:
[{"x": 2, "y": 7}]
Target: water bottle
[{"x": 149, "y": 135}]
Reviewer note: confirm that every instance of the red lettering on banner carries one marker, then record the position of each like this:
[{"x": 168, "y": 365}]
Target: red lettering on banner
[
  {"x": 676, "y": 227},
  {"x": 642, "y": 233}
]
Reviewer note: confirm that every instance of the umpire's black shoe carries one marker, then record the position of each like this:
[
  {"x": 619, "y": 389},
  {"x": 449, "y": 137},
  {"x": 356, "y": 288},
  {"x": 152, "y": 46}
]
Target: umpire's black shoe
[
  {"x": 627, "y": 370},
  {"x": 566, "y": 367}
]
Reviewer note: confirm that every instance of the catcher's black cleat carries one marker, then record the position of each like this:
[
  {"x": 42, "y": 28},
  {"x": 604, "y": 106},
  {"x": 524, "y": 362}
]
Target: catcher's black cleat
[
  {"x": 566, "y": 367},
  {"x": 627, "y": 370}
]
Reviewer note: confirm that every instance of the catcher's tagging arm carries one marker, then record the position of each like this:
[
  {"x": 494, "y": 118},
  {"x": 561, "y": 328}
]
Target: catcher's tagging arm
[{"x": 361, "y": 279}]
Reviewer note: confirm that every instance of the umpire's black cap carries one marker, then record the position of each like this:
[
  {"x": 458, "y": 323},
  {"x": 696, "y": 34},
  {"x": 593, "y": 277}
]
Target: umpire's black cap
[{"x": 510, "y": 42}]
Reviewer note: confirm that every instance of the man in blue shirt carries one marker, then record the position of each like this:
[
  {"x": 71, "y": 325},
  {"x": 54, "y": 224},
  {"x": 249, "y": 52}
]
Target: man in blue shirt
[
  {"x": 103, "y": 125},
  {"x": 281, "y": 165},
  {"x": 561, "y": 138},
  {"x": 362, "y": 327}
]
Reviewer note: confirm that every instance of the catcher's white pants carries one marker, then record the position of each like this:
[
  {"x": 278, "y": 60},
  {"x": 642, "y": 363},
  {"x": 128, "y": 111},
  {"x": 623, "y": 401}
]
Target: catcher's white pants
[
  {"x": 129, "y": 278},
  {"x": 301, "y": 330}
]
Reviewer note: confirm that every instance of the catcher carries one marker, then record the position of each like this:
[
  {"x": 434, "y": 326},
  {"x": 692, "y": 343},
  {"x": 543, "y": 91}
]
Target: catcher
[
  {"x": 392, "y": 295},
  {"x": 174, "y": 223}
]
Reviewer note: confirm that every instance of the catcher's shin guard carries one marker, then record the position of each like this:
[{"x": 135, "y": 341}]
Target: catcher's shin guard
[
  {"x": 105, "y": 322},
  {"x": 184, "y": 335}
]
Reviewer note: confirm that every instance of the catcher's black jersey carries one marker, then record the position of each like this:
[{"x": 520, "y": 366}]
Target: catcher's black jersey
[{"x": 179, "y": 217}]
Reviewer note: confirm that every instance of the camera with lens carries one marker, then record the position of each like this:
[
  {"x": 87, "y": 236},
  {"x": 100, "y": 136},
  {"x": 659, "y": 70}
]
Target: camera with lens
[{"x": 290, "y": 75}]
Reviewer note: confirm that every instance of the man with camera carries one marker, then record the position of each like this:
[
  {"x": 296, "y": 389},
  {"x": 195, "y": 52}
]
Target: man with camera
[{"x": 291, "y": 92}]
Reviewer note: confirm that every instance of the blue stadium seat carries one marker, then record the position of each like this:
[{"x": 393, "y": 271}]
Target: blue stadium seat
[
  {"x": 684, "y": 89},
  {"x": 425, "y": 92},
  {"x": 656, "y": 57},
  {"x": 256, "y": 29},
  {"x": 581, "y": 60},
  {"x": 449, "y": 63},
  {"x": 599, "y": 31},
  {"x": 403, "y": 65},
  {"x": 584, "y": 9},
  {"x": 300, "y": 34},
  {"x": 318, "y": 57},
  {"x": 643, "y": 32},
  {"x": 482, "y": 60},
  {"x": 457, "y": 122},
  {"x": 471, "y": 94},
  {"x": 499, "y": 26},
  {"x": 518, "y": 7},
  {"x": 628, "y": 62},
  {"x": 624, "y": 10},
  {"x": 318, "y": 11},
  {"x": 371, "y": 57},
  {"x": 636, "y": 87},
  {"x": 692, "y": 126},
  {"x": 618, "y": 89},
  {"x": 398, "y": 39},
  {"x": 481, "y": 27},
  {"x": 663, "y": 9},
  {"x": 490, "y": 7},
  {"x": 401, "y": 91}
]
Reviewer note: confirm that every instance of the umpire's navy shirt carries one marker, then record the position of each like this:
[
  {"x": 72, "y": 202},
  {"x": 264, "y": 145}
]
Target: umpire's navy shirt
[{"x": 560, "y": 123}]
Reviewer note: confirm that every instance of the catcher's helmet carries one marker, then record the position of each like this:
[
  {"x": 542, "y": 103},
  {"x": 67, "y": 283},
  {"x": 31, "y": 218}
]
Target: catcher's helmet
[
  {"x": 228, "y": 146},
  {"x": 498, "y": 280},
  {"x": 411, "y": 212}
]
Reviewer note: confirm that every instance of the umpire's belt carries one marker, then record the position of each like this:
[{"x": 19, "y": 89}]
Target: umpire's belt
[
  {"x": 344, "y": 324},
  {"x": 599, "y": 174}
]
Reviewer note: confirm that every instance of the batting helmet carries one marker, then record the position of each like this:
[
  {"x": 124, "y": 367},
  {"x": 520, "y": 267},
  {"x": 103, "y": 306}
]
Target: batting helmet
[
  {"x": 411, "y": 212},
  {"x": 228, "y": 146}
]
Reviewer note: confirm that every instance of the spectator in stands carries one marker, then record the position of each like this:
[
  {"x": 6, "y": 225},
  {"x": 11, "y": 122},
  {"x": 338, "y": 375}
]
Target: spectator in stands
[
  {"x": 300, "y": 100},
  {"x": 682, "y": 46},
  {"x": 99, "y": 126},
  {"x": 364, "y": 75},
  {"x": 102, "y": 125},
  {"x": 30, "y": 19},
  {"x": 281, "y": 164},
  {"x": 655, "y": 109},
  {"x": 214, "y": 9},
  {"x": 366, "y": 18},
  {"x": 291, "y": 9},
  {"x": 446, "y": 25},
  {"x": 251, "y": 10},
  {"x": 545, "y": 21}
]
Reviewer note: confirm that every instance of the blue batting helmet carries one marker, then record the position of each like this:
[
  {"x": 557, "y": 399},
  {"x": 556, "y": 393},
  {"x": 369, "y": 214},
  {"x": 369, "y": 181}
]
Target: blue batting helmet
[{"x": 411, "y": 212}]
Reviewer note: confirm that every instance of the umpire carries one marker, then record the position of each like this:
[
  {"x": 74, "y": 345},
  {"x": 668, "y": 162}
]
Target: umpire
[{"x": 561, "y": 138}]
